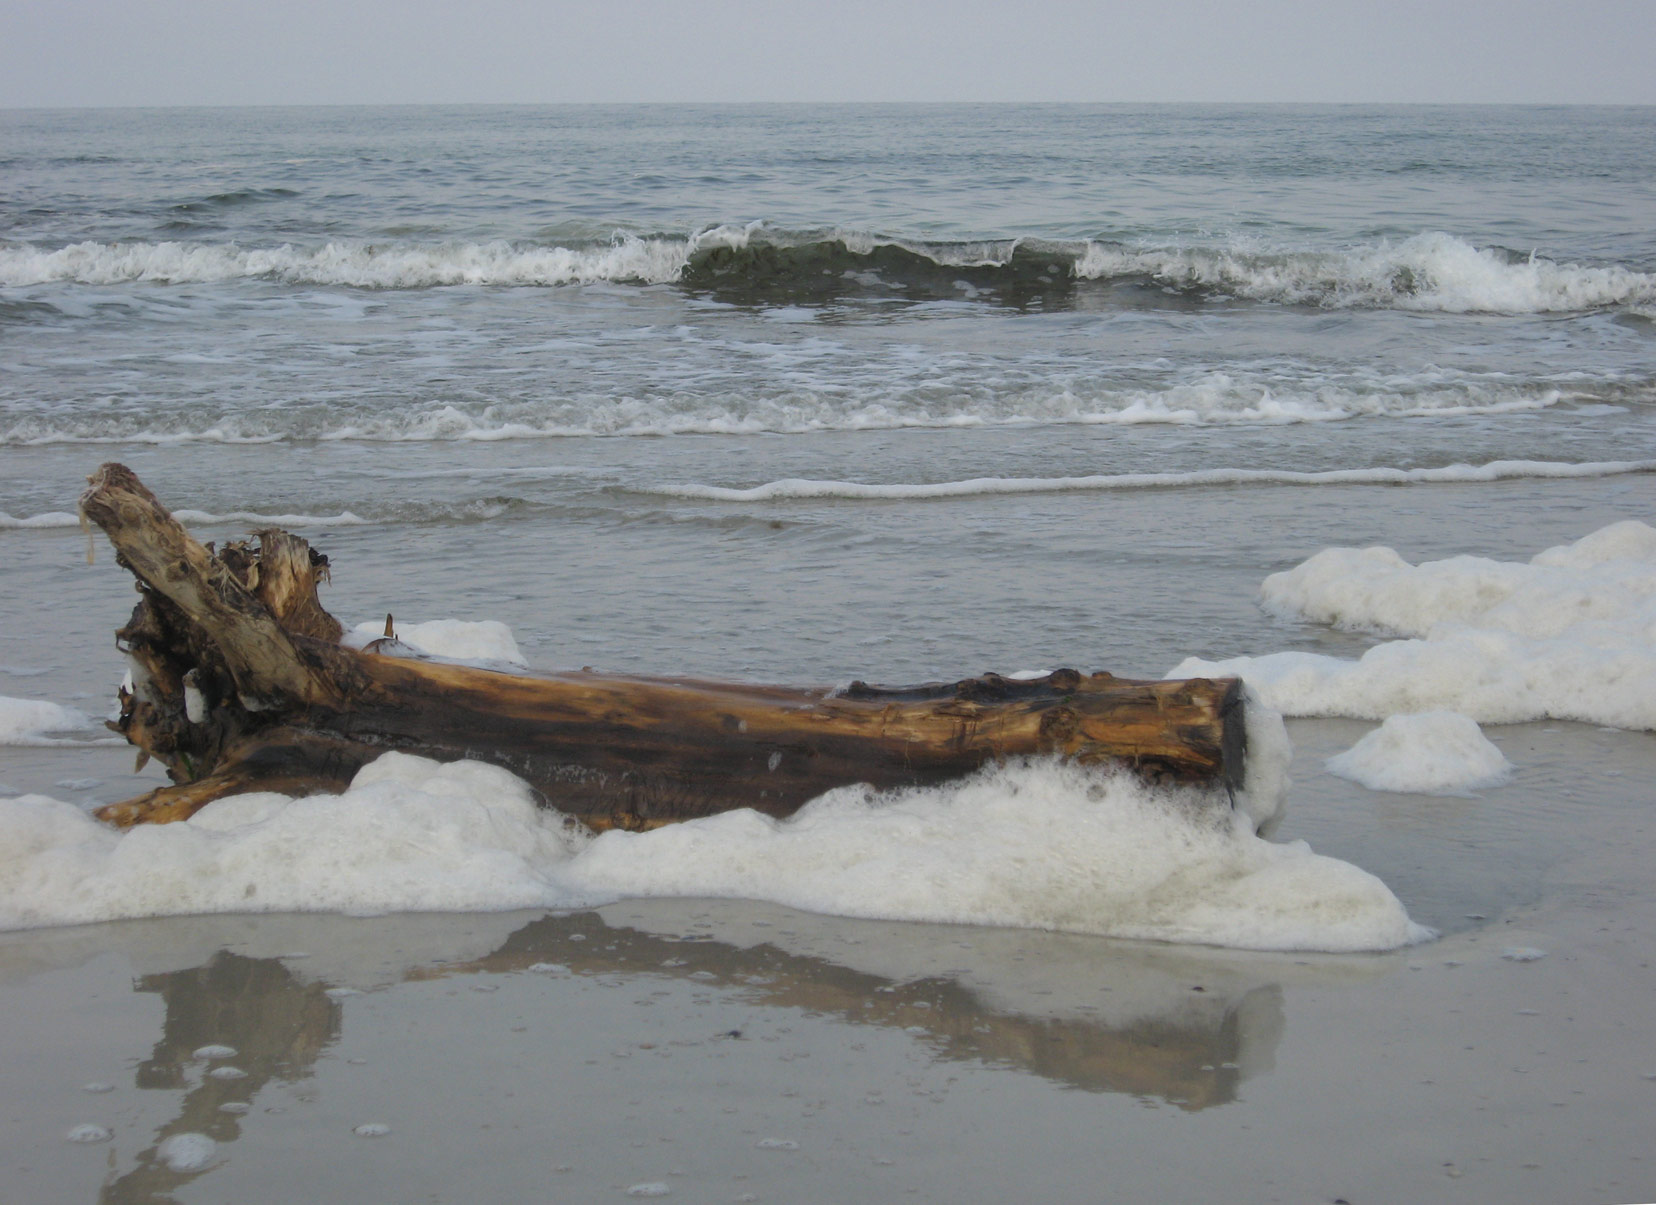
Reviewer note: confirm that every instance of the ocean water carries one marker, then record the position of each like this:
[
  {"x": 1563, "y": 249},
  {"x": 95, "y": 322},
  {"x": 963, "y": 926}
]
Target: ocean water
[
  {"x": 898, "y": 393},
  {"x": 1359, "y": 403}
]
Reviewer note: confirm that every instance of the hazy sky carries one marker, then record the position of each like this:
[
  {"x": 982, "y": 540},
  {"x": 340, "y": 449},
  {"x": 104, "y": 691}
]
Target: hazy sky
[{"x": 212, "y": 52}]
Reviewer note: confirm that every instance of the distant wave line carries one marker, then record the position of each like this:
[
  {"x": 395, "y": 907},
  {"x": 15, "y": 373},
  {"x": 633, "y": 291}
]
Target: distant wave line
[
  {"x": 800, "y": 488},
  {"x": 61, "y": 519},
  {"x": 1499, "y": 470}
]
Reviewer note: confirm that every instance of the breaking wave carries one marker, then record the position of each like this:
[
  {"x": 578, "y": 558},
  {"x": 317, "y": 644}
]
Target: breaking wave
[
  {"x": 911, "y": 401},
  {"x": 756, "y": 264}
]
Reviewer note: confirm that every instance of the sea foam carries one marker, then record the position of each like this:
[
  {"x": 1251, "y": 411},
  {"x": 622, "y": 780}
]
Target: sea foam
[
  {"x": 187, "y": 1152},
  {"x": 1050, "y": 847},
  {"x": 358, "y": 265},
  {"x": 1431, "y": 271},
  {"x": 37, "y": 722},
  {"x": 1039, "y": 845},
  {"x": 410, "y": 835},
  {"x": 1428, "y": 753},
  {"x": 1570, "y": 634}
]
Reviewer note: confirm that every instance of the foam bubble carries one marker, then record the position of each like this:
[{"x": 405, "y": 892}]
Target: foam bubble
[
  {"x": 215, "y": 1052},
  {"x": 89, "y": 1133},
  {"x": 1428, "y": 753},
  {"x": 187, "y": 1152},
  {"x": 1571, "y": 634}
]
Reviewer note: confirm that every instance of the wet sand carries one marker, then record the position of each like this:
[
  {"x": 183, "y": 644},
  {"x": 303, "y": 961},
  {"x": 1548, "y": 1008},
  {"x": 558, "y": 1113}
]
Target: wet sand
[{"x": 735, "y": 1051}]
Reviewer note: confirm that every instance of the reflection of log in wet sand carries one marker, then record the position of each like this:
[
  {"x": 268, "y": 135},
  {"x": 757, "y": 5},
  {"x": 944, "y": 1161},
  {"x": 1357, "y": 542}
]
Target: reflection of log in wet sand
[
  {"x": 275, "y": 1024},
  {"x": 1186, "y": 1043},
  {"x": 1189, "y": 1055}
]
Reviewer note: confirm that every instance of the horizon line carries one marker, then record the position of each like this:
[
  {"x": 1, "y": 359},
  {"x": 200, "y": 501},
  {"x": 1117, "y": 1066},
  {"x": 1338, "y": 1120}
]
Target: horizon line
[{"x": 841, "y": 103}]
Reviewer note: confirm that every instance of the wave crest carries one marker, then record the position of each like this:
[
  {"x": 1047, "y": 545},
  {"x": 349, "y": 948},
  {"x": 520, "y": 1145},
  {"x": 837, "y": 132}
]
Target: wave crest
[
  {"x": 756, "y": 264},
  {"x": 1433, "y": 272}
]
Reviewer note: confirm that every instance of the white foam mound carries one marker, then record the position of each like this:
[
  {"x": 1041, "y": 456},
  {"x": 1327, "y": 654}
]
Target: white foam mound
[
  {"x": 410, "y": 835},
  {"x": 1608, "y": 577},
  {"x": 1039, "y": 845},
  {"x": 454, "y": 639},
  {"x": 32, "y": 721},
  {"x": 1429, "y": 753},
  {"x": 1570, "y": 634}
]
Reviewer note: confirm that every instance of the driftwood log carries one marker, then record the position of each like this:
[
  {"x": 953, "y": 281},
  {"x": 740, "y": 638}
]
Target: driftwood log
[{"x": 240, "y": 683}]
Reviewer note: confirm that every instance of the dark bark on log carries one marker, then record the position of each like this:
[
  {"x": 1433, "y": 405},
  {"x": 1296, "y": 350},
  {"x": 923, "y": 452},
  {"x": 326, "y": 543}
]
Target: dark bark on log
[{"x": 240, "y": 684}]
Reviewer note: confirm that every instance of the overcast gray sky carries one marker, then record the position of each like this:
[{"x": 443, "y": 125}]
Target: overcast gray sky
[{"x": 215, "y": 52}]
